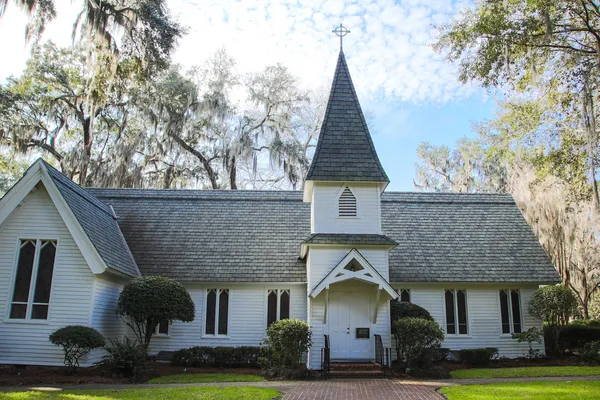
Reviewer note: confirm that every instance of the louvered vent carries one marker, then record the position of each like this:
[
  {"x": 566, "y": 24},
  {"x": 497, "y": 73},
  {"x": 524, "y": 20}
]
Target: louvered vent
[{"x": 347, "y": 204}]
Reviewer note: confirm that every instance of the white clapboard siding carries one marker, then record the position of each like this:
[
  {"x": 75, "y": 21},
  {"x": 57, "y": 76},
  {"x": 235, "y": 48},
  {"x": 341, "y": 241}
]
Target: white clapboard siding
[
  {"x": 325, "y": 209},
  {"x": 107, "y": 289},
  {"x": 72, "y": 283},
  {"x": 247, "y": 317},
  {"x": 483, "y": 309},
  {"x": 321, "y": 261}
]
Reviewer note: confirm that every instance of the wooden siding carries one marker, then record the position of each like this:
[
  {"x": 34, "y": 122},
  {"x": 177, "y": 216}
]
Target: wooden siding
[
  {"x": 247, "y": 317},
  {"x": 104, "y": 318},
  {"x": 325, "y": 216},
  {"x": 483, "y": 310},
  {"x": 23, "y": 342}
]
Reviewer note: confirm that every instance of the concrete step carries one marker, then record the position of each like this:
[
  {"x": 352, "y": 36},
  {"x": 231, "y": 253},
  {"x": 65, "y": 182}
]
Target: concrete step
[
  {"x": 370, "y": 374},
  {"x": 355, "y": 367}
]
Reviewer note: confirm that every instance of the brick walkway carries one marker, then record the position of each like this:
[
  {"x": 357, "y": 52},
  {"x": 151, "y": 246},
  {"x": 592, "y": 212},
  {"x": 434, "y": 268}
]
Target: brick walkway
[{"x": 354, "y": 389}]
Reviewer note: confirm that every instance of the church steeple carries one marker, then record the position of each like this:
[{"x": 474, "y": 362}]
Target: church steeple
[{"x": 345, "y": 150}]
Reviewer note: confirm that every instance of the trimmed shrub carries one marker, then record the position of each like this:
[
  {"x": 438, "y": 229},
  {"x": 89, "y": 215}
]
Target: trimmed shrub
[
  {"x": 399, "y": 310},
  {"x": 288, "y": 340},
  {"x": 591, "y": 352},
  {"x": 574, "y": 337},
  {"x": 553, "y": 305},
  {"x": 443, "y": 354},
  {"x": 127, "y": 359},
  {"x": 77, "y": 341},
  {"x": 145, "y": 302},
  {"x": 418, "y": 341},
  {"x": 481, "y": 356},
  {"x": 245, "y": 356}
]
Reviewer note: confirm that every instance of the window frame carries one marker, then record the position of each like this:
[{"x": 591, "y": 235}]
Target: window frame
[
  {"x": 157, "y": 332},
  {"x": 510, "y": 311},
  {"x": 337, "y": 203},
  {"x": 279, "y": 292},
  {"x": 32, "y": 282},
  {"x": 456, "y": 323},
  {"x": 216, "y": 333}
]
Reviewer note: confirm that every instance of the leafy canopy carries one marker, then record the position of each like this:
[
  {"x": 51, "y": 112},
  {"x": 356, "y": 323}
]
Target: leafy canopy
[
  {"x": 77, "y": 341},
  {"x": 145, "y": 302}
]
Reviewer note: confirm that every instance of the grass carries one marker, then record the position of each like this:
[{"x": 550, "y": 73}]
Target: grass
[
  {"x": 523, "y": 372},
  {"x": 201, "y": 393},
  {"x": 207, "y": 377},
  {"x": 565, "y": 390}
]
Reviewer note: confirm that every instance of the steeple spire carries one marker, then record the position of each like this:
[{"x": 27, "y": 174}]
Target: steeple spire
[{"x": 345, "y": 151}]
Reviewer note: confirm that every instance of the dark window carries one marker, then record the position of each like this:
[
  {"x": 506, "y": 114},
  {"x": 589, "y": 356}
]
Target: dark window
[
  {"x": 27, "y": 270},
  {"x": 272, "y": 307},
  {"x": 450, "y": 320},
  {"x": 504, "y": 313},
  {"x": 404, "y": 295},
  {"x": 456, "y": 312},
  {"x": 163, "y": 328},
  {"x": 211, "y": 305},
  {"x": 516, "y": 310},
  {"x": 510, "y": 311},
  {"x": 284, "y": 305},
  {"x": 278, "y": 305},
  {"x": 223, "y": 311},
  {"x": 461, "y": 300}
]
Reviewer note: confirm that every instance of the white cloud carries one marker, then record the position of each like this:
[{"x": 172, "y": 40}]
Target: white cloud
[{"x": 388, "y": 50}]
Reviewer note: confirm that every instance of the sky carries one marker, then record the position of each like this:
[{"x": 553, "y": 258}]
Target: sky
[{"x": 409, "y": 91}]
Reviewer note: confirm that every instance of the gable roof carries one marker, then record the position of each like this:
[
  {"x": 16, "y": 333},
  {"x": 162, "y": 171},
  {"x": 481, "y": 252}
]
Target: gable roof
[
  {"x": 345, "y": 150},
  {"x": 99, "y": 223},
  {"x": 253, "y": 236},
  {"x": 351, "y": 239},
  {"x": 90, "y": 222}
]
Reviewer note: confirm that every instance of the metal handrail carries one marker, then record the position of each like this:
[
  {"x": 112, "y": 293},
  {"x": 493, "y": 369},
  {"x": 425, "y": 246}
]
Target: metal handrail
[
  {"x": 383, "y": 356},
  {"x": 326, "y": 359}
]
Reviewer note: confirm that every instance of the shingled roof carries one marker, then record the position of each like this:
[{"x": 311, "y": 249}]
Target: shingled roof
[
  {"x": 345, "y": 151},
  {"x": 98, "y": 222},
  {"x": 254, "y": 236}
]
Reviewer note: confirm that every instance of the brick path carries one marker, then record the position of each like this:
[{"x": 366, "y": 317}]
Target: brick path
[{"x": 355, "y": 389}]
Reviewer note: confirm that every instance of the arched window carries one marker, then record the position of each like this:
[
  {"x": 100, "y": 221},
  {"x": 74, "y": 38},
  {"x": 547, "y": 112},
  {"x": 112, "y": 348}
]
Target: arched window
[{"x": 347, "y": 203}]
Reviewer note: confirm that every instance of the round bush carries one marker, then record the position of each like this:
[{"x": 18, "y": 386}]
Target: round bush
[
  {"x": 418, "y": 341},
  {"x": 287, "y": 340},
  {"x": 399, "y": 310},
  {"x": 147, "y": 301},
  {"x": 77, "y": 341},
  {"x": 554, "y": 305}
]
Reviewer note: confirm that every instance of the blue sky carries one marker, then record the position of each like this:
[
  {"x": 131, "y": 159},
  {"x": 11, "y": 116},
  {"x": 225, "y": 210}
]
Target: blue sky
[{"x": 409, "y": 91}]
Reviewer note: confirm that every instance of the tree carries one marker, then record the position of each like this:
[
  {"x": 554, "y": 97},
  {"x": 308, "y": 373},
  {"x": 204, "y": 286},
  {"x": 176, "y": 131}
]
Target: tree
[
  {"x": 146, "y": 302},
  {"x": 141, "y": 30},
  {"x": 546, "y": 49},
  {"x": 417, "y": 341},
  {"x": 77, "y": 341},
  {"x": 465, "y": 169},
  {"x": 86, "y": 129}
]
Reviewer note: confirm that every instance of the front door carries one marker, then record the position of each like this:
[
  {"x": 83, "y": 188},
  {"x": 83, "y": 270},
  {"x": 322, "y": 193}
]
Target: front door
[{"x": 348, "y": 311}]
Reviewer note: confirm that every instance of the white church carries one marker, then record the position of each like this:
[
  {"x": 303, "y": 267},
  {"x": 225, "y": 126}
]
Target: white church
[{"x": 334, "y": 255}]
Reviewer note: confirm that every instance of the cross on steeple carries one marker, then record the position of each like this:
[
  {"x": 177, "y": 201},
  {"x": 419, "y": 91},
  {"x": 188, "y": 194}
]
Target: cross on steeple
[{"x": 341, "y": 31}]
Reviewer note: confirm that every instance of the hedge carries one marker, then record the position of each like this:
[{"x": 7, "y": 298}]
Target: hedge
[
  {"x": 202, "y": 356},
  {"x": 478, "y": 356},
  {"x": 575, "y": 336}
]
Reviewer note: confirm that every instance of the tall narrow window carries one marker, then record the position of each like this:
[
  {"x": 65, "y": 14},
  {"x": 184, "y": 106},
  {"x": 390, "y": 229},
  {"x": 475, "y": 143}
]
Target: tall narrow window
[
  {"x": 456, "y": 312},
  {"x": 217, "y": 312},
  {"x": 347, "y": 203},
  {"x": 33, "y": 281},
  {"x": 510, "y": 311},
  {"x": 404, "y": 295},
  {"x": 278, "y": 305}
]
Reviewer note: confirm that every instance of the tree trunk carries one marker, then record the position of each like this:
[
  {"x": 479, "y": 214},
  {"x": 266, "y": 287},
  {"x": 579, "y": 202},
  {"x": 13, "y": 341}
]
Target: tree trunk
[{"x": 233, "y": 174}]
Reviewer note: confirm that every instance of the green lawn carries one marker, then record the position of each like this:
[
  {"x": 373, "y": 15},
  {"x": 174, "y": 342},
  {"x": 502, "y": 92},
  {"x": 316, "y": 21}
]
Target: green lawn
[
  {"x": 565, "y": 390},
  {"x": 208, "y": 377},
  {"x": 523, "y": 372},
  {"x": 201, "y": 393}
]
